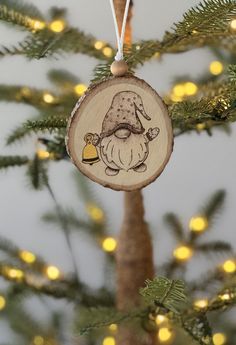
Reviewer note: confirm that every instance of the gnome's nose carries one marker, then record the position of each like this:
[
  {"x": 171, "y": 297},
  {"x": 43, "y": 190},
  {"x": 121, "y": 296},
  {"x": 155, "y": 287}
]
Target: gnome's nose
[{"x": 122, "y": 133}]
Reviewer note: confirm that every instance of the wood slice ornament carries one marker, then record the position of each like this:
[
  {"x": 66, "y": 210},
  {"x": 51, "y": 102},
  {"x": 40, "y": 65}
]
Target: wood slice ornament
[{"x": 120, "y": 132}]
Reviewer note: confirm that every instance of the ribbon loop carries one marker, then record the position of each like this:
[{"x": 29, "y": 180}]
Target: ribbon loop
[{"x": 120, "y": 37}]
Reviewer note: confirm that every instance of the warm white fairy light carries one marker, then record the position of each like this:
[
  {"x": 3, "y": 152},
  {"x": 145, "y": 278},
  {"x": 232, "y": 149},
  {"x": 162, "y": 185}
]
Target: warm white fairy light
[{"x": 198, "y": 224}]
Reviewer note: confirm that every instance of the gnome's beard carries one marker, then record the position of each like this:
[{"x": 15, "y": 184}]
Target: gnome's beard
[{"x": 124, "y": 154}]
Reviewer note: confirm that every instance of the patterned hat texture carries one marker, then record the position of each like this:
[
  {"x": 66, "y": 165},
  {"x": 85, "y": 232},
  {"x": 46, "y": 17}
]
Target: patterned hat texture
[{"x": 123, "y": 113}]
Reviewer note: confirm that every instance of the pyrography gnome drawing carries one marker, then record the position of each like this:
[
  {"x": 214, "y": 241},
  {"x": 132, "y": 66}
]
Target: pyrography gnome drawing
[{"x": 122, "y": 143}]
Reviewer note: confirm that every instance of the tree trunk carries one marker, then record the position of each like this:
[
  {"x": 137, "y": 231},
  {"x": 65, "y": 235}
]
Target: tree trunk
[{"x": 134, "y": 259}]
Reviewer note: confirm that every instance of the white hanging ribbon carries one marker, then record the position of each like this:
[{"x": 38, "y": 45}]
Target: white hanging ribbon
[{"x": 120, "y": 38}]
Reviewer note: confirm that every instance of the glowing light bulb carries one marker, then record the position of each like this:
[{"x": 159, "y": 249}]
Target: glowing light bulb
[
  {"x": 225, "y": 297},
  {"x": 164, "y": 335},
  {"x": 157, "y": 55},
  {"x": 96, "y": 213},
  {"x": 37, "y": 25},
  {"x": 229, "y": 266},
  {"x": 200, "y": 126},
  {"x": 198, "y": 224},
  {"x": 25, "y": 91},
  {"x": 80, "y": 89},
  {"x": 190, "y": 88},
  {"x": 99, "y": 45},
  {"x": 175, "y": 98},
  {"x": 233, "y": 25},
  {"x": 113, "y": 327},
  {"x": 179, "y": 90},
  {"x": 57, "y": 25},
  {"x": 48, "y": 98},
  {"x": 53, "y": 272},
  {"x": 109, "y": 341},
  {"x": 2, "y": 302},
  {"x": 219, "y": 339},
  {"x": 107, "y": 51},
  {"x": 201, "y": 303},
  {"x": 160, "y": 319},
  {"x": 216, "y": 67},
  {"x": 14, "y": 273},
  {"x": 183, "y": 253},
  {"x": 38, "y": 340},
  {"x": 27, "y": 257},
  {"x": 43, "y": 154},
  {"x": 109, "y": 244}
]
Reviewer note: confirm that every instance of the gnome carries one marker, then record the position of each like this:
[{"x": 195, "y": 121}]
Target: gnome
[{"x": 123, "y": 143}]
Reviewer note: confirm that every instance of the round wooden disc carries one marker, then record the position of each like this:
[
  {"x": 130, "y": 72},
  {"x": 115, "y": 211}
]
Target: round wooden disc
[{"x": 120, "y": 134}]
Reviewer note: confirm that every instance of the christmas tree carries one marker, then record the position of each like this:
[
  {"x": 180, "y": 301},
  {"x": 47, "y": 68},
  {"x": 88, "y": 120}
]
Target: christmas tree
[{"x": 141, "y": 301}]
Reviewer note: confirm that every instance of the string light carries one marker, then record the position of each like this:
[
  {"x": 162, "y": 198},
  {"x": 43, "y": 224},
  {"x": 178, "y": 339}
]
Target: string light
[
  {"x": 219, "y": 339},
  {"x": 37, "y": 25},
  {"x": 109, "y": 244},
  {"x": 225, "y": 297},
  {"x": 164, "y": 334},
  {"x": 80, "y": 89},
  {"x": 113, "y": 327},
  {"x": 26, "y": 92},
  {"x": 233, "y": 25},
  {"x": 109, "y": 341},
  {"x": 183, "y": 253},
  {"x": 190, "y": 89},
  {"x": 48, "y": 98},
  {"x": 14, "y": 273},
  {"x": 201, "y": 303},
  {"x": 175, "y": 98},
  {"x": 27, "y": 257},
  {"x": 53, "y": 272},
  {"x": 99, "y": 45},
  {"x": 57, "y": 25},
  {"x": 157, "y": 55},
  {"x": 229, "y": 266},
  {"x": 160, "y": 319},
  {"x": 107, "y": 51},
  {"x": 38, "y": 340},
  {"x": 198, "y": 224},
  {"x": 200, "y": 126},
  {"x": 216, "y": 67},
  {"x": 43, "y": 154},
  {"x": 179, "y": 90},
  {"x": 2, "y": 302},
  {"x": 96, "y": 213}
]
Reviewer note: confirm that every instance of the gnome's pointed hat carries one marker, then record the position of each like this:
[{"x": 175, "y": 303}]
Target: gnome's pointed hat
[{"x": 123, "y": 113}]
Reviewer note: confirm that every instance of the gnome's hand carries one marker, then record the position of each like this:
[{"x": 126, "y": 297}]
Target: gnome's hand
[
  {"x": 96, "y": 139},
  {"x": 152, "y": 133}
]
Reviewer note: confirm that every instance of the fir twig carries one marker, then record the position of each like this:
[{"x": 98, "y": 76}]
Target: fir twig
[{"x": 11, "y": 161}]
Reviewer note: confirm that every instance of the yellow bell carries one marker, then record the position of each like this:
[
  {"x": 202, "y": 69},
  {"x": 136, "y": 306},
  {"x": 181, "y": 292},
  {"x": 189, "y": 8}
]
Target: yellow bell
[{"x": 90, "y": 153}]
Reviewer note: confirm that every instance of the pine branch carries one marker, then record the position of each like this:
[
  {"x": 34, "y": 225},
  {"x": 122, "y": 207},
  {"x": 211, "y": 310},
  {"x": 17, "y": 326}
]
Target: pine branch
[
  {"x": 214, "y": 205},
  {"x": 214, "y": 247},
  {"x": 62, "y": 78},
  {"x": 19, "y": 14},
  {"x": 11, "y": 161},
  {"x": 18, "y": 134},
  {"x": 232, "y": 73},
  {"x": 101, "y": 317},
  {"x": 37, "y": 173},
  {"x": 51, "y": 123},
  {"x": 197, "y": 326},
  {"x": 69, "y": 217},
  {"x": 14, "y": 251},
  {"x": 164, "y": 292},
  {"x": 224, "y": 300},
  {"x": 46, "y": 43},
  {"x": 175, "y": 225}
]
